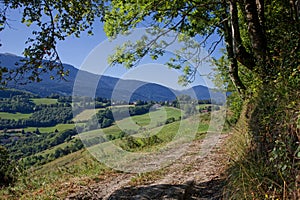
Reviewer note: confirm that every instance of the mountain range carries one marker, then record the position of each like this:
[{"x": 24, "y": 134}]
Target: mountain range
[{"x": 108, "y": 87}]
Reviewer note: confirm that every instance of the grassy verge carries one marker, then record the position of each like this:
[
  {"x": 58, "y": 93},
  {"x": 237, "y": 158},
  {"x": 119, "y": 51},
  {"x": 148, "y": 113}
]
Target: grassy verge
[{"x": 258, "y": 171}]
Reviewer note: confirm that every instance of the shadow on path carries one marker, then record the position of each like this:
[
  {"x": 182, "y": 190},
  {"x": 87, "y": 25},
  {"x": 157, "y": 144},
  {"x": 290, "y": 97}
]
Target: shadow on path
[{"x": 205, "y": 190}]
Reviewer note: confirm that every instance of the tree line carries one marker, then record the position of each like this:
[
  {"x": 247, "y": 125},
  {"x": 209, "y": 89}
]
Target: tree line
[
  {"x": 48, "y": 116},
  {"x": 105, "y": 118}
]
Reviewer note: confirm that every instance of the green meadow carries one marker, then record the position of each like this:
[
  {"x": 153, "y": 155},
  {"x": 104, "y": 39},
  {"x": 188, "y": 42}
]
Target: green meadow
[
  {"x": 15, "y": 116},
  {"x": 45, "y": 101}
]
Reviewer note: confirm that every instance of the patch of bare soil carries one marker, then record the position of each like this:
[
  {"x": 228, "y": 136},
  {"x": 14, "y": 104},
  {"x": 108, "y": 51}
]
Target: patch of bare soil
[{"x": 192, "y": 176}]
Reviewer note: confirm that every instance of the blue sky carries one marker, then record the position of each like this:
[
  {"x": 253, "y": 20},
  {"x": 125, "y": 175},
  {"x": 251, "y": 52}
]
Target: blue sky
[
  {"x": 72, "y": 50},
  {"x": 90, "y": 52}
]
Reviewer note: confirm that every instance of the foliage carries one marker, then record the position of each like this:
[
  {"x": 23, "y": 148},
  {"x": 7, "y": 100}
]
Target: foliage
[
  {"x": 268, "y": 153},
  {"x": 16, "y": 103},
  {"x": 41, "y": 114},
  {"x": 105, "y": 118},
  {"x": 235, "y": 105},
  {"x": 33, "y": 143},
  {"x": 170, "y": 120},
  {"x": 41, "y": 159},
  {"x": 43, "y": 118},
  {"x": 130, "y": 143},
  {"x": 8, "y": 170},
  {"x": 56, "y": 21},
  {"x": 50, "y": 116},
  {"x": 261, "y": 63}
]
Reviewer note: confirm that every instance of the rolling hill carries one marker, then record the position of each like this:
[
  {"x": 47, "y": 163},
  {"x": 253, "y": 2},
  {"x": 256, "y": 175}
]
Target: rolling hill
[{"x": 106, "y": 87}]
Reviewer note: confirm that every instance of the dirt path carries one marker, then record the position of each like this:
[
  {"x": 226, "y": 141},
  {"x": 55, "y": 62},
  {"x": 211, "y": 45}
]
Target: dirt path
[{"x": 193, "y": 176}]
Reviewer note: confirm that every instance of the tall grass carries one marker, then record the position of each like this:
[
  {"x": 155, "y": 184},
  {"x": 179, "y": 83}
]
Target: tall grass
[{"x": 57, "y": 179}]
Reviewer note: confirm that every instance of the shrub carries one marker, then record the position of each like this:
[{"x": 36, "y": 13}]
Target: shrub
[{"x": 8, "y": 172}]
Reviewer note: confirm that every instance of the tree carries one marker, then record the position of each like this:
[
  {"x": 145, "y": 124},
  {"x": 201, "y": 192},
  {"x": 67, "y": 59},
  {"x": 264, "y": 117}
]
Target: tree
[
  {"x": 254, "y": 32},
  {"x": 37, "y": 131},
  {"x": 56, "y": 20},
  {"x": 7, "y": 169},
  {"x": 247, "y": 26}
]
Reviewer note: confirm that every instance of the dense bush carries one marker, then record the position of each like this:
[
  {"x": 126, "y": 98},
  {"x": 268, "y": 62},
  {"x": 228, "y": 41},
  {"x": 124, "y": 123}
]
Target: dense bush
[
  {"x": 47, "y": 116},
  {"x": 50, "y": 116},
  {"x": 17, "y": 104},
  {"x": 33, "y": 144},
  {"x": 269, "y": 160},
  {"x": 8, "y": 172},
  {"x": 59, "y": 152},
  {"x": 10, "y": 93},
  {"x": 105, "y": 118},
  {"x": 130, "y": 143}
]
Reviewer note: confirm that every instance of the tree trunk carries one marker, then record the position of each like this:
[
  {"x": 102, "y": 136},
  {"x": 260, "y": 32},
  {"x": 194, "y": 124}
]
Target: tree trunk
[
  {"x": 233, "y": 67},
  {"x": 257, "y": 36},
  {"x": 239, "y": 50}
]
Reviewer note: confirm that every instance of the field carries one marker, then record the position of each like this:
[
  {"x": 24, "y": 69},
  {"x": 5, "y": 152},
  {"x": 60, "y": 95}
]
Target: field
[
  {"x": 145, "y": 121},
  {"x": 166, "y": 133},
  {"x": 149, "y": 144},
  {"x": 179, "y": 131},
  {"x": 59, "y": 127},
  {"x": 46, "y": 101},
  {"x": 156, "y": 117},
  {"x": 88, "y": 113},
  {"x": 15, "y": 116}
]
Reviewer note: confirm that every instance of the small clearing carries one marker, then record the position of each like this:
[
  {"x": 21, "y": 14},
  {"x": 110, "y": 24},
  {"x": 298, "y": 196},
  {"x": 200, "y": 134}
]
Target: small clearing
[
  {"x": 15, "y": 116},
  {"x": 44, "y": 101}
]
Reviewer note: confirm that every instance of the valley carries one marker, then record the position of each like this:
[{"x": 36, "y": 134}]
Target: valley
[{"x": 46, "y": 136}]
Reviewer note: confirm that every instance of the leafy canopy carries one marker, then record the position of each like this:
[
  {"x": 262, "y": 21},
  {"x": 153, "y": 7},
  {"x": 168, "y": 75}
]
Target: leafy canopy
[{"x": 259, "y": 35}]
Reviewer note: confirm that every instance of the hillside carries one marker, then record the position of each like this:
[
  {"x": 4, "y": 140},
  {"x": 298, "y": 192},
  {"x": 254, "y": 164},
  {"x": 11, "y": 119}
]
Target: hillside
[
  {"x": 105, "y": 88},
  {"x": 79, "y": 175},
  {"x": 39, "y": 135}
]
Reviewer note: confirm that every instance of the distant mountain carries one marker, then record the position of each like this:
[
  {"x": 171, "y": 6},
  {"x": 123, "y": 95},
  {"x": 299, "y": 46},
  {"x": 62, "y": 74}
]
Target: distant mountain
[
  {"x": 13, "y": 92},
  {"x": 108, "y": 87},
  {"x": 199, "y": 92},
  {"x": 45, "y": 87}
]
